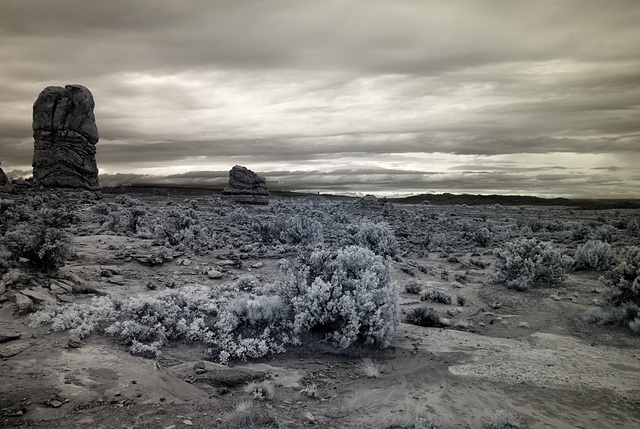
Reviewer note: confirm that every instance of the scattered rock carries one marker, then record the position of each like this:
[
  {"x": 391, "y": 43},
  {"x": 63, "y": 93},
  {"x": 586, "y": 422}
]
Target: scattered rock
[
  {"x": 55, "y": 403},
  {"x": 23, "y": 303},
  {"x": 247, "y": 187},
  {"x": 15, "y": 277},
  {"x": 214, "y": 274},
  {"x": 74, "y": 342},
  {"x": 116, "y": 280},
  {"x": 61, "y": 286},
  {"x": 4, "y": 338},
  {"x": 257, "y": 265},
  {"x": 187, "y": 422},
  {"x": 308, "y": 416},
  {"x": 38, "y": 295},
  {"x": 200, "y": 368},
  {"x": 3, "y": 288},
  {"x": 65, "y": 134}
]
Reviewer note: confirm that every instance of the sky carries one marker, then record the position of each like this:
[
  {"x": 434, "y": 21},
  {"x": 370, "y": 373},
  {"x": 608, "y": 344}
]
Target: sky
[{"x": 530, "y": 97}]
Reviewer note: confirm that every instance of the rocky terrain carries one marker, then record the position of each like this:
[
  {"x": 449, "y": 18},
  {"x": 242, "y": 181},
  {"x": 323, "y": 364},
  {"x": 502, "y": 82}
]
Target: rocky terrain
[{"x": 80, "y": 272}]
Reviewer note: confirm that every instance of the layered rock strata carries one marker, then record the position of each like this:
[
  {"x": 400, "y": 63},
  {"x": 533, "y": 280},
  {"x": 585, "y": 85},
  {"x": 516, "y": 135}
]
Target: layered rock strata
[
  {"x": 65, "y": 134},
  {"x": 247, "y": 187}
]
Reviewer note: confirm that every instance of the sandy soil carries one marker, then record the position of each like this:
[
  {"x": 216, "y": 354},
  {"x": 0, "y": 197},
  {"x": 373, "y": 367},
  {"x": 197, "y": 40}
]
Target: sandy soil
[{"x": 530, "y": 355}]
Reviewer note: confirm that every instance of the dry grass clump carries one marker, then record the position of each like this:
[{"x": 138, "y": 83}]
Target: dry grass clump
[
  {"x": 423, "y": 421},
  {"x": 423, "y": 316},
  {"x": 247, "y": 415},
  {"x": 503, "y": 420},
  {"x": 370, "y": 368},
  {"x": 311, "y": 391},
  {"x": 262, "y": 391}
]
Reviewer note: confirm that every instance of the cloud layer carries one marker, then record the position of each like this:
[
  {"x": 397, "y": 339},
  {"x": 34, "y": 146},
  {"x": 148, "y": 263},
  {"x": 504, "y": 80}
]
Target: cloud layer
[{"x": 389, "y": 97}]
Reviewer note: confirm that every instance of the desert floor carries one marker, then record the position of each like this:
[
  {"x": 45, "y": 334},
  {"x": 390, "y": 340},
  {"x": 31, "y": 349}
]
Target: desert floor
[{"x": 528, "y": 353}]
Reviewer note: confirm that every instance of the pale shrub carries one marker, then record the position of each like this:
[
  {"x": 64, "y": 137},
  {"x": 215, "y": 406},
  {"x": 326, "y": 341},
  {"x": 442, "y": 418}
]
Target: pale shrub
[
  {"x": 302, "y": 230},
  {"x": 377, "y": 237},
  {"x": 346, "y": 297},
  {"x": 502, "y": 419},
  {"x": 622, "y": 305},
  {"x": 47, "y": 248},
  {"x": 523, "y": 263},
  {"x": 595, "y": 255},
  {"x": 436, "y": 296},
  {"x": 262, "y": 391}
]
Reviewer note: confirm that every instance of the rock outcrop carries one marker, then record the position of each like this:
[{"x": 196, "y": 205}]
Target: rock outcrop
[
  {"x": 65, "y": 134},
  {"x": 3, "y": 178},
  {"x": 247, "y": 187}
]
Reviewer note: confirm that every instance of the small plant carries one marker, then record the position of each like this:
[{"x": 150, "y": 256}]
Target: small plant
[
  {"x": 262, "y": 391},
  {"x": 424, "y": 421},
  {"x": 523, "y": 325},
  {"x": 413, "y": 287},
  {"x": 311, "y": 390},
  {"x": 521, "y": 264},
  {"x": 482, "y": 236},
  {"x": 346, "y": 297},
  {"x": 461, "y": 300},
  {"x": 247, "y": 415},
  {"x": 503, "y": 420},
  {"x": 302, "y": 230},
  {"x": 422, "y": 316},
  {"x": 46, "y": 248},
  {"x": 595, "y": 255},
  {"x": 370, "y": 368},
  {"x": 436, "y": 296},
  {"x": 463, "y": 324},
  {"x": 377, "y": 237}
]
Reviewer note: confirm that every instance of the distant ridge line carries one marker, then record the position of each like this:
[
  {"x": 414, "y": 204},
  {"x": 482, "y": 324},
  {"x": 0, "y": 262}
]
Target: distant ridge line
[
  {"x": 518, "y": 200},
  {"x": 445, "y": 199}
]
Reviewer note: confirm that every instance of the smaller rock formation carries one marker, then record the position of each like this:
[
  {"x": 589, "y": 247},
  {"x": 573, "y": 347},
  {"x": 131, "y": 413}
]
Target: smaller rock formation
[
  {"x": 3, "y": 178},
  {"x": 65, "y": 134},
  {"x": 247, "y": 187}
]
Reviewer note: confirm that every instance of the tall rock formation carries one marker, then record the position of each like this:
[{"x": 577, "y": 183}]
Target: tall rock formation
[
  {"x": 247, "y": 187},
  {"x": 65, "y": 134},
  {"x": 3, "y": 178}
]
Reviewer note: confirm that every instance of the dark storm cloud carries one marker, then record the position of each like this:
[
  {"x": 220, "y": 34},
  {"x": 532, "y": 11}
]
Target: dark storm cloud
[{"x": 283, "y": 85}]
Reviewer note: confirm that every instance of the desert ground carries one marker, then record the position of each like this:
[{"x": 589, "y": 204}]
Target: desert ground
[{"x": 527, "y": 355}]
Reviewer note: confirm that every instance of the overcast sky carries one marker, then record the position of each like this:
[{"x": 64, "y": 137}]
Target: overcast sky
[{"x": 362, "y": 96}]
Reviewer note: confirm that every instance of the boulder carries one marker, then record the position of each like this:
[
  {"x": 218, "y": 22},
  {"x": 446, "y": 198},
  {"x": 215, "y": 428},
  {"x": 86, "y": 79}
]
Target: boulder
[
  {"x": 38, "y": 295},
  {"x": 247, "y": 187},
  {"x": 23, "y": 303},
  {"x": 65, "y": 135}
]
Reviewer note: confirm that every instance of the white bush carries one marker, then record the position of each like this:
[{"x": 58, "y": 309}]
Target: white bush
[
  {"x": 346, "y": 297},
  {"x": 595, "y": 255},
  {"x": 378, "y": 237},
  {"x": 302, "y": 230},
  {"x": 523, "y": 263}
]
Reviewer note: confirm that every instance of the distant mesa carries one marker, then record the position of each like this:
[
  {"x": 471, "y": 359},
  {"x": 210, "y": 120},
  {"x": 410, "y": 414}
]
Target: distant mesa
[
  {"x": 247, "y": 187},
  {"x": 65, "y": 134}
]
